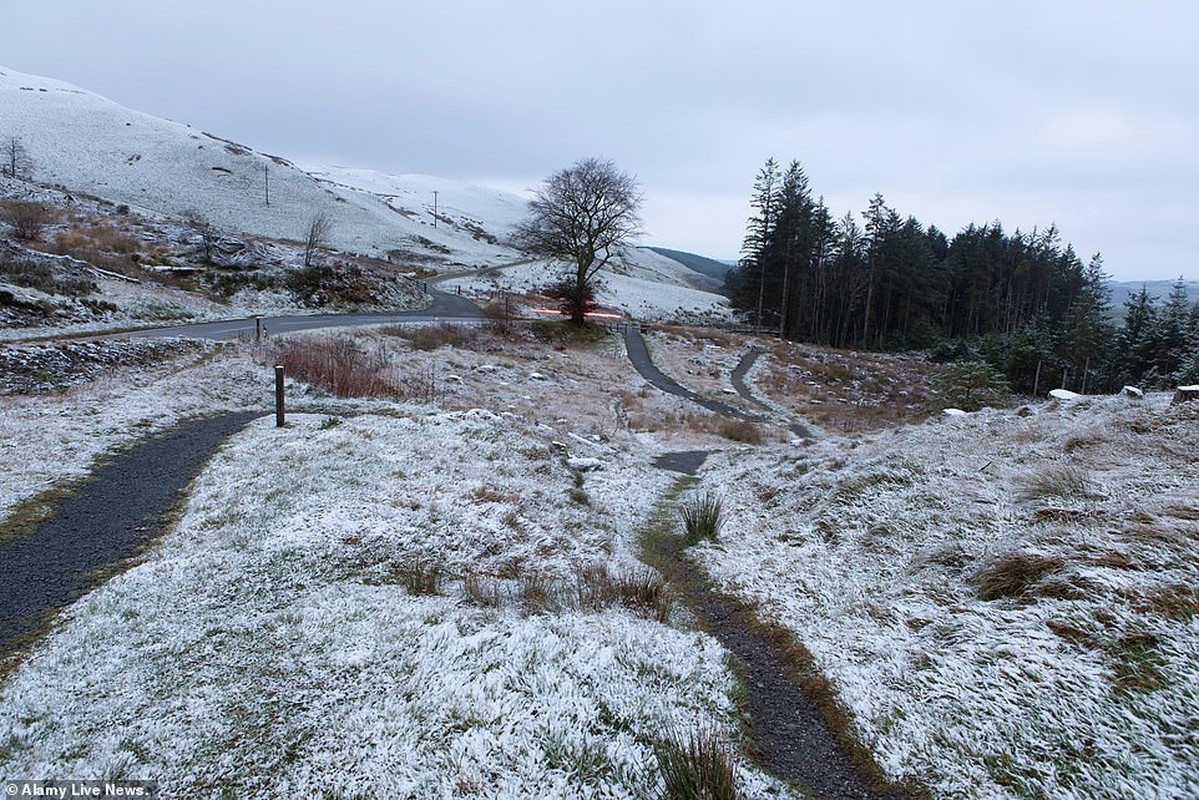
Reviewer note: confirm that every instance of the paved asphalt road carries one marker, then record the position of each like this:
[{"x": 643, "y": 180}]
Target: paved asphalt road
[{"x": 445, "y": 307}]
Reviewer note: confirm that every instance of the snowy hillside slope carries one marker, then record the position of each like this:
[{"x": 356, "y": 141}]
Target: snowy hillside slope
[
  {"x": 480, "y": 211},
  {"x": 89, "y": 144}
]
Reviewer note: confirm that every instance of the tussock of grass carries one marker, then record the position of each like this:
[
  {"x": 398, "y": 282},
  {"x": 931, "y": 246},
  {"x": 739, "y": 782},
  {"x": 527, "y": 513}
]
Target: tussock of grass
[
  {"x": 592, "y": 589},
  {"x": 1137, "y": 663},
  {"x": 697, "y": 766},
  {"x": 642, "y": 591},
  {"x": 432, "y": 337},
  {"x": 420, "y": 577},
  {"x": 1055, "y": 482},
  {"x": 478, "y": 591},
  {"x": 1013, "y": 575},
  {"x": 702, "y": 517}
]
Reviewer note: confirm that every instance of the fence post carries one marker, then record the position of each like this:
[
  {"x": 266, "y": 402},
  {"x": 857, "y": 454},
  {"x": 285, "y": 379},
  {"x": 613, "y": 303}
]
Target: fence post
[{"x": 278, "y": 395}]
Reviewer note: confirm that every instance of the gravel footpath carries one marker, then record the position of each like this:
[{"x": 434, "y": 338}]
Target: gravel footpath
[{"x": 120, "y": 509}]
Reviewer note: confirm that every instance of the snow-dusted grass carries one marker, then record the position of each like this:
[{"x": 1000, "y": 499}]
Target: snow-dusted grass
[
  {"x": 1004, "y": 604},
  {"x": 267, "y": 645},
  {"x": 349, "y": 605},
  {"x": 48, "y": 439}
]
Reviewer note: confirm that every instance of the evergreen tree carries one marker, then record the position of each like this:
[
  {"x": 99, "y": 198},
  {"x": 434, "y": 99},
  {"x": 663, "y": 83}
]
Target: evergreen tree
[
  {"x": 748, "y": 282},
  {"x": 1136, "y": 341},
  {"x": 1174, "y": 332}
]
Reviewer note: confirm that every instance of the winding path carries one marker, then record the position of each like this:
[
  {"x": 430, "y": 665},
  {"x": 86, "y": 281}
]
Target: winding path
[
  {"x": 639, "y": 356},
  {"x": 116, "y": 513},
  {"x": 790, "y": 735}
]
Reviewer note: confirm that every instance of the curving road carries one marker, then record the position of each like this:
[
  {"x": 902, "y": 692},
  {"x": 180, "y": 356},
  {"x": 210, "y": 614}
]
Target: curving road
[{"x": 446, "y": 307}]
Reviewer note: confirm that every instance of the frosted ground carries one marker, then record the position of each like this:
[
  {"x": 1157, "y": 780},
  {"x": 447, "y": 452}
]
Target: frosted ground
[
  {"x": 1004, "y": 603},
  {"x": 269, "y": 643}
]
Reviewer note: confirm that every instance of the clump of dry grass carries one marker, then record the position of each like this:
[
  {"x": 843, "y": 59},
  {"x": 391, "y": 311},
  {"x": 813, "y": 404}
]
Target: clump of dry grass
[
  {"x": 1013, "y": 575},
  {"x": 642, "y": 591},
  {"x": 420, "y": 576},
  {"x": 1055, "y": 482},
  {"x": 741, "y": 430},
  {"x": 432, "y": 337},
  {"x": 591, "y": 588}
]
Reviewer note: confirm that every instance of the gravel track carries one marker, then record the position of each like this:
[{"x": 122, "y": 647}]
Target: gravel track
[{"x": 120, "y": 509}]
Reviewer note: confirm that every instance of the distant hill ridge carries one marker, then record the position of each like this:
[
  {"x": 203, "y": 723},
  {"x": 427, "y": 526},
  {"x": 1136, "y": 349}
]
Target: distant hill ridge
[{"x": 702, "y": 264}]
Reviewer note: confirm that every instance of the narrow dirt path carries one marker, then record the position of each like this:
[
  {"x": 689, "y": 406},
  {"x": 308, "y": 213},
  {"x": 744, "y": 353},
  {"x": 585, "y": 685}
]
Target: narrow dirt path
[
  {"x": 120, "y": 509},
  {"x": 787, "y": 727}
]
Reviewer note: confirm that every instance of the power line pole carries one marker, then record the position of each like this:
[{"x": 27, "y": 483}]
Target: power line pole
[
  {"x": 434, "y": 208},
  {"x": 266, "y": 182}
]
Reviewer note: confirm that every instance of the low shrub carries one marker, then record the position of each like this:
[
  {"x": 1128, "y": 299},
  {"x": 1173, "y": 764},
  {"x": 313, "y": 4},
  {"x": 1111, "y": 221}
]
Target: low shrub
[{"x": 28, "y": 220}]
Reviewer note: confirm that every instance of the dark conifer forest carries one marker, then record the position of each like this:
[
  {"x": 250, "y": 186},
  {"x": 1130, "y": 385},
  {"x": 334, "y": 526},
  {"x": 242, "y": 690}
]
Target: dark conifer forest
[{"x": 1023, "y": 302}]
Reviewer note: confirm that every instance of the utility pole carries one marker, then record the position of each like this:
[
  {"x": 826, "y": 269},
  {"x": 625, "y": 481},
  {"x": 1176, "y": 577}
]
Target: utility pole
[
  {"x": 266, "y": 182},
  {"x": 434, "y": 208}
]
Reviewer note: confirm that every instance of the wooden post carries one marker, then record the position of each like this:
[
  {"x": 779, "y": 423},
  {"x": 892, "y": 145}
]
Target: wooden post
[{"x": 278, "y": 395}]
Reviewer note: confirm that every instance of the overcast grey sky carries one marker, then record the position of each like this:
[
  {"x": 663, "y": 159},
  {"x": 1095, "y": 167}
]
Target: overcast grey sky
[{"x": 1081, "y": 113}]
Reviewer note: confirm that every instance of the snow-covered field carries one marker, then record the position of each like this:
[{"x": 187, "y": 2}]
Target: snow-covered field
[
  {"x": 1006, "y": 604},
  {"x": 269, "y": 643}
]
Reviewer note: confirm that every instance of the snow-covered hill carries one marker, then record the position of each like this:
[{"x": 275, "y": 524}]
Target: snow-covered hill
[{"x": 88, "y": 144}]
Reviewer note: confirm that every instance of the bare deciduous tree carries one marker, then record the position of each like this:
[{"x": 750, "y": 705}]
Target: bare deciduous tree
[
  {"x": 16, "y": 160},
  {"x": 582, "y": 215},
  {"x": 318, "y": 236}
]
